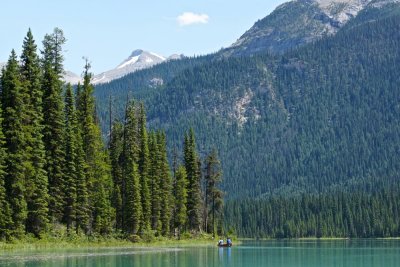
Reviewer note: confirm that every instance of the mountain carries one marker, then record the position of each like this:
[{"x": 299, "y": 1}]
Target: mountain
[
  {"x": 139, "y": 59},
  {"x": 321, "y": 117},
  {"x": 72, "y": 78},
  {"x": 296, "y": 23},
  {"x": 2, "y": 64}
]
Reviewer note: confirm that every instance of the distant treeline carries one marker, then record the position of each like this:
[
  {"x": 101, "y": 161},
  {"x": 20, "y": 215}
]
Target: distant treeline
[{"x": 354, "y": 215}]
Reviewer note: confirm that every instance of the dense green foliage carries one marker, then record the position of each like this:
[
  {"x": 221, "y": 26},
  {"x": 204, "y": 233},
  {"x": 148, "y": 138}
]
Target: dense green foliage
[
  {"x": 5, "y": 211},
  {"x": 193, "y": 168},
  {"x": 15, "y": 141},
  {"x": 180, "y": 197},
  {"x": 37, "y": 183},
  {"x": 97, "y": 173},
  {"x": 71, "y": 155},
  {"x": 147, "y": 201},
  {"x": 53, "y": 133},
  {"x": 56, "y": 175},
  {"x": 213, "y": 197},
  {"x": 355, "y": 215}
]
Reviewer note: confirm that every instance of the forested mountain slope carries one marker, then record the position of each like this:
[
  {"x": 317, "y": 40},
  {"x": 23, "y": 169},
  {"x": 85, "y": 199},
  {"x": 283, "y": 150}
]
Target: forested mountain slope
[
  {"x": 323, "y": 117},
  {"x": 139, "y": 84}
]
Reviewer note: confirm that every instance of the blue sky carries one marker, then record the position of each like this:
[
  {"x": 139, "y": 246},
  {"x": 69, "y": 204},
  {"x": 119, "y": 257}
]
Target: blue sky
[{"x": 106, "y": 32}]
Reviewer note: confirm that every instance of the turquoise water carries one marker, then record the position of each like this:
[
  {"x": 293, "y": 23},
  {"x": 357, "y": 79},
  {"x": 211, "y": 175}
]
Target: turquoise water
[{"x": 354, "y": 253}]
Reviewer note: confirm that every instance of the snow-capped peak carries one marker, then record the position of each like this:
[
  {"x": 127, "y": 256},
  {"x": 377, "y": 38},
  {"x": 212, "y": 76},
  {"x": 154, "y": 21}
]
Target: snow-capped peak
[
  {"x": 137, "y": 60},
  {"x": 140, "y": 58}
]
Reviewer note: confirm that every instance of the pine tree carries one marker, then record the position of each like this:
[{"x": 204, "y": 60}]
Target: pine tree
[
  {"x": 144, "y": 163},
  {"x": 83, "y": 213},
  {"x": 213, "y": 196},
  {"x": 5, "y": 211},
  {"x": 98, "y": 174},
  {"x": 54, "y": 120},
  {"x": 116, "y": 149},
  {"x": 180, "y": 194},
  {"x": 154, "y": 183},
  {"x": 70, "y": 208},
  {"x": 193, "y": 174},
  {"x": 13, "y": 108},
  {"x": 82, "y": 195},
  {"x": 36, "y": 176},
  {"x": 165, "y": 183},
  {"x": 132, "y": 198}
]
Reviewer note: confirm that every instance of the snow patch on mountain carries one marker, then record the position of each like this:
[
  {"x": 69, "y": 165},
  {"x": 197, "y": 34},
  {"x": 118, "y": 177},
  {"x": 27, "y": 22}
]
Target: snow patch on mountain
[
  {"x": 156, "y": 55},
  {"x": 138, "y": 60},
  {"x": 131, "y": 60}
]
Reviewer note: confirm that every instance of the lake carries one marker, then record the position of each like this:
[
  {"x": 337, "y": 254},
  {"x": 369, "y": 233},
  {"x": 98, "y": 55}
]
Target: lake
[{"x": 354, "y": 253}]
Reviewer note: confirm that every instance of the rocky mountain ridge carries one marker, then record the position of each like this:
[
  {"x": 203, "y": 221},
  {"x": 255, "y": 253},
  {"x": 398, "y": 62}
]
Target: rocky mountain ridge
[{"x": 299, "y": 22}]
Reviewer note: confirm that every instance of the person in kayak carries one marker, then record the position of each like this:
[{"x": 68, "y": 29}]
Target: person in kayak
[
  {"x": 229, "y": 242},
  {"x": 220, "y": 242}
]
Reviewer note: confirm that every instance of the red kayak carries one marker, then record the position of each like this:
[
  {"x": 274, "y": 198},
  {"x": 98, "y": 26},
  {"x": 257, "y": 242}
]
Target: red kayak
[{"x": 224, "y": 245}]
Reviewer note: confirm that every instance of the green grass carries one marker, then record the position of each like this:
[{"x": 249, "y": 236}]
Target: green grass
[{"x": 30, "y": 243}]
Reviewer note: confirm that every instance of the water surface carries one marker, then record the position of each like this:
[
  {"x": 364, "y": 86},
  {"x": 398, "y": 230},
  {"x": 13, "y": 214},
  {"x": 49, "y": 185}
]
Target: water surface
[{"x": 354, "y": 253}]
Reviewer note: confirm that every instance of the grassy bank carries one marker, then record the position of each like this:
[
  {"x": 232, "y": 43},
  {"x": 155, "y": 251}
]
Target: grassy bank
[{"x": 99, "y": 242}]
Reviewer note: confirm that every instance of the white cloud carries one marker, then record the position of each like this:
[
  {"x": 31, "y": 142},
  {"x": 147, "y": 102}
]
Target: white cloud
[{"x": 189, "y": 18}]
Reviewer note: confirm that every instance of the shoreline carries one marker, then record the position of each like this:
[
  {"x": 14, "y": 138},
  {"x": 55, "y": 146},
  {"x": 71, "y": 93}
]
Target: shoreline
[
  {"x": 35, "y": 244},
  {"x": 102, "y": 243},
  {"x": 319, "y": 239}
]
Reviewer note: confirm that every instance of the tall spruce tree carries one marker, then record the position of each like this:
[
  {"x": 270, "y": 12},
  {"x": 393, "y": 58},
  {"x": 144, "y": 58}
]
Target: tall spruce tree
[
  {"x": 180, "y": 199},
  {"x": 98, "y": 174},
  {"x": 115, "y": 151},
  {"x": 83, "y": 213},
  {"x": 82, "y": 195},
  {"x": 144, "y": 164},
  {"x": 154, "y": 183},
  {"x": 36, "y": 176},
  {"x": 52, "y": 65},
  {"x": 213, "y": 203},
  {"x": 5, "y": 211},
  {"x": 132, "y": 197},
  {"x": 193, "y": 171},
  {"x": 165, "y": 183},
  {"x": 70, "y": 209},
  {"x": 14, "y": 115}
]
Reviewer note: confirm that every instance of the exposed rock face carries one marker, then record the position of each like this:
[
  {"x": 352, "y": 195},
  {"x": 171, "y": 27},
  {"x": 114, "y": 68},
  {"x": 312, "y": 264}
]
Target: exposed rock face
[{"x": 295, "y": 23}]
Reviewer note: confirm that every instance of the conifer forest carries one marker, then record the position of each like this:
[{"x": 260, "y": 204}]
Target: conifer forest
[{"x": 57, "y": 173}]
